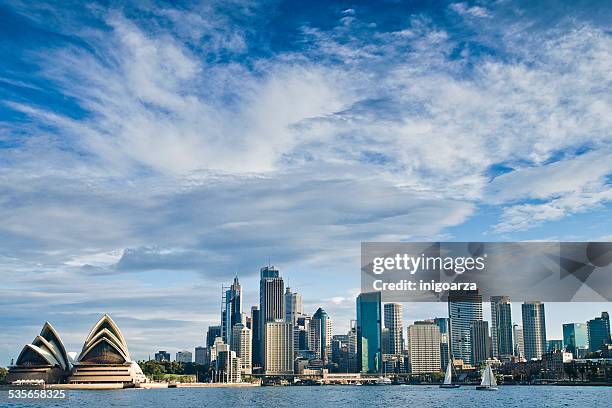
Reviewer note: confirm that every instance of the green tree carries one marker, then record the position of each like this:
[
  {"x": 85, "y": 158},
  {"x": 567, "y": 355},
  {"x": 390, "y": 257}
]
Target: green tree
[{"x": 3, "y": 372}]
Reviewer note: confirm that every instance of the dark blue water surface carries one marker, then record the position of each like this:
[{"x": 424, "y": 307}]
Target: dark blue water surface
[{"x": 405, "y": 396}]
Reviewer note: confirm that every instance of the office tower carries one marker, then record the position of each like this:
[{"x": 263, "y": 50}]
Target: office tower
[
  {"x": 202, "y": 355},
  {"x": 339, "y": 354},
  {"x": 519, "y": 345},
  {"x": 217, "y": 347},
  {"x": 385, "y": 340},
  {"x": 353, "y": 357},
  {"x": 231, "y": 309},
  {"x": 184, "y": 356},
  {"x": 162, "y": 355},
  {"x": 554, "y": 345},
  {"x": 393, "y": 318},
  {"x": 271, "y": 303},
  {"x": 257, "y": 340},
  {"x": 227, "y": 366},
  {"x": 278, "y": 358},
  {"x": 442, "y": 323},
  {"x": 599, "y": 332},
  {"x": 479, "y": 339},
  {"x": 293, "y": 305},
  {"x": 301, "y": 333},
  {"x": 576, "y": 339},
  {"x": 369, "y": 332},
  {"x": 212, "y": 333},
  {"x": 501, "y": 326},
  {"x": 242, "y": 338},
  {"x": 464, "y": 308},
  {"x": 424, "y": 347},
  {"x": 534, "y": 330},
  {"x": 320, "y": 334}
]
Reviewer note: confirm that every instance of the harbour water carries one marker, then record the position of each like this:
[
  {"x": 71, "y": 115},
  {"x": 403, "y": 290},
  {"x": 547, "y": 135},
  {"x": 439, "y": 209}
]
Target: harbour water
[{"x": 405, "y": 396}]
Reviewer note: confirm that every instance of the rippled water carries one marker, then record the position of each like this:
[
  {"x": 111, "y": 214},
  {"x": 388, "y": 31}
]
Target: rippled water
[{"x": 339, "y": 396}]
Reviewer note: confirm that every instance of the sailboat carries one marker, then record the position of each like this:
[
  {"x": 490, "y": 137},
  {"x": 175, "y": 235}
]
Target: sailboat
[
  {"x": 488, "y": 382},
  {"x": 448, "y": 378}
]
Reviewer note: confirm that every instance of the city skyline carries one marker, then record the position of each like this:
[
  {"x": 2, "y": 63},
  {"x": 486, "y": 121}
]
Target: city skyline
[{"x": 149, "y": 153}]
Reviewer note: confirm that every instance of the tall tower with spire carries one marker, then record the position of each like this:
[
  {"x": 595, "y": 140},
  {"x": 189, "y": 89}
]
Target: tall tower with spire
[{"x": 231, "y": 309}]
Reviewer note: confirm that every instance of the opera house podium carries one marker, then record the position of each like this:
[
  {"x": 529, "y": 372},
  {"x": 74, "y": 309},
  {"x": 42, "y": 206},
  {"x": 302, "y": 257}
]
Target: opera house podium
[{"x": 105, "y": 358}]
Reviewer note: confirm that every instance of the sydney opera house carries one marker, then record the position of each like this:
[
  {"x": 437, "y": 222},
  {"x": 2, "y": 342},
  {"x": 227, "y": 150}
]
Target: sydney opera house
[{"x": 104, "y": 359}]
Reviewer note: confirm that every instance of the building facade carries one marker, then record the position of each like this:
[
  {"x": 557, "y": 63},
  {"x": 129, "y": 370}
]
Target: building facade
[
  {"x": 394, "y": 323},
  {"x": 464, "y": 308},
  {"x": 321, "y": 335},
  {"x": 369, "y": 332},
  {"x": 278, "y": 357},
  {"x": 443, "y": 326},
  {"x": 271, "y": 304},
  {"x": 599, "y": 332},
  {"x": 424, "y": 347},
  {"x": 479, "y": 338},
  {"x": 242, "y": 340},
  {"x": 231, "y": 310},
  {"x": 576, "y": 339},
  {"x": 534, "y": 330},
  {"x": 293, "y": 305}
]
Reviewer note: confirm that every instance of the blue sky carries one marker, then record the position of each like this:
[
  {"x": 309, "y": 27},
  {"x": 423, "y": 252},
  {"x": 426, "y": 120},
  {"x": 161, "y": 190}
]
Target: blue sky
[{"x": 150, "y": 152}]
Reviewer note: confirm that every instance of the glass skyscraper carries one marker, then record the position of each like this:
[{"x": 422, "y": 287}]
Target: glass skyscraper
[
  {"x": 231, "y": 312},
  {"x": 501, "y": 326},
  {"x": 369, "y": 332},
  {"x": 599, "y": 331},
  {"x": 576, "y": 339},
  {"x": 534, "y": 329},
  {"x": 464, "y": 308},
  {"x": 271, "y": 306}
]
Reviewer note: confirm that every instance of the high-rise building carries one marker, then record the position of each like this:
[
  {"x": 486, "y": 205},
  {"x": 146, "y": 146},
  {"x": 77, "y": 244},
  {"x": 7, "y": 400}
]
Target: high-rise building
[
  {"x": 369, "y": 332},
  {"x": 320, "y": 334},
  {"x": 424, "y": 347},
  {"x": 212, "y": 333},
  {"x": 554, "y": 345},
  {"x": 293, "y": 305},
  {"x": 353, "y": 356},
  {"x": 184, "y": 356},
  {"x": 464, "y": 308},
  {"x": 242, "y": 338},
  {"x": 519, "y": 345},
  {"x": 162, "y": 355},
  {"x": 443, "y": 325},
  {"x": 257, "y": 340},
  {"x": 227, "y": 366},
  {"x": 271, "y": 303},
  {"x": 278, "y": 357},
  {"x": 501, "y": 326},
  {"x": 576, "y": 339},
  {"x": 393, "y": 318},
  {"x": 479, "y": 339},
  {"x": 534, "y": 330},
  {"x": 599, "y": 332},
  {"x": 202, "y": 355},
  {"x": 231, "y": 310},
  {"x": 301, "y": 333}
]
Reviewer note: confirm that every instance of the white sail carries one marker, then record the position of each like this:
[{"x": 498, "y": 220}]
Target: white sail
[
  {"x": 448, "y": 377},
  {"x": 488, "y": 378}
]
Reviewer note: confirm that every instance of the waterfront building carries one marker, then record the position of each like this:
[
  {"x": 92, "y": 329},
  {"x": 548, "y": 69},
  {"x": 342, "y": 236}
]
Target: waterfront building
[
  {"x": 599, "y": 332},
  {"x": 424, "y": 347},
  {"x": 257, "y": 340},
  {"x": 242, "y": 338},
  {"x": 202, "y": 355},
  {"x": 464, "y": 308},
  {"x": 212, "y": 333},
  {"x": 184, "y": 357},
  {"x": 443, "y": 326},
  {"x": 227, "y": 367},
  {"x": 301, "y": 333},
  {"x": 519, "y": 345},
  {"x": 554, "y": 345},
  {"x": 293, "y": 305},
  {"x": 501, "y": 327},
  {"x": 231, "y": 309},
  {"x": 105, "y": 357},
  {"x": 271, "y": 305},
  {"x": 576, "y": 339},
  {"x": 369, "y": 332},
  {"x": 44, "y": 359},
  {"x": 217, "y": 347},
  {"x": 278, "y": 358},
  {"x": 479, "y": 339},
  {"x": 162, "y": 355},
  {"x": 393, "y": 319},
  {"x": 339, "y": 354},
  {"x": 534, "y": 329},
  {"x": 320, "y": 334}
]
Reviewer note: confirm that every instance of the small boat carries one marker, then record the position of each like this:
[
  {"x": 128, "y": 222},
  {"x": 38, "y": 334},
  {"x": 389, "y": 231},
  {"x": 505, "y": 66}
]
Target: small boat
[
  {"x": 383, "y": 381},
  {"x": 488, "y": 382},
  {"x": 448, "y": 378}
]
